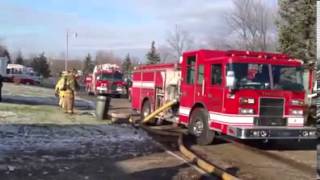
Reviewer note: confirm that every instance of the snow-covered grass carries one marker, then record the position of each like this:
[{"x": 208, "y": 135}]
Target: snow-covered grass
[
  {"x": 24, "y": 104},
  {"x": 43, "y": 114}
]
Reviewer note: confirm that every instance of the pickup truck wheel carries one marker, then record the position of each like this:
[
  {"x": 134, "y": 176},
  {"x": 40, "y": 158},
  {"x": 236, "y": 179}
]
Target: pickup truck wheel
[{"x": 199, "y": 127}]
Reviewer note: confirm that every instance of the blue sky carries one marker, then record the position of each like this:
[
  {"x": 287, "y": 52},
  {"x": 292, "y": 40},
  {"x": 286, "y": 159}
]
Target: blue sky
[{"x": 34, "y": 26}]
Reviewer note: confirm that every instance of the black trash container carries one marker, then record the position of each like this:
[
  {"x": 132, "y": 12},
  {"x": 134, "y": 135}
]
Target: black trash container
[{"x": 102, "y": 107}]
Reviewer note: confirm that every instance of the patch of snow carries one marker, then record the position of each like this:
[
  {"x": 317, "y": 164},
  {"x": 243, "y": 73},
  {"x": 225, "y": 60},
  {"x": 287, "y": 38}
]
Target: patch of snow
[
  {"x": 11, "y": 168},
  {"x": 74, "y": 141},
  {"x": 5, "y": 114}
]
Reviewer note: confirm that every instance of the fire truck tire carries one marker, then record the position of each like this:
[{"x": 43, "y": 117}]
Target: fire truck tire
[
  {"x": 199, "y": 127},
  {"x": 146, "y": 109}
]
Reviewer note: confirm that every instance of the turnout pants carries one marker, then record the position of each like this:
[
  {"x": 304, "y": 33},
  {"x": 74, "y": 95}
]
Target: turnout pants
[
  {"x": 61, "y": 101},
  {"x": 68, "y": 102}
]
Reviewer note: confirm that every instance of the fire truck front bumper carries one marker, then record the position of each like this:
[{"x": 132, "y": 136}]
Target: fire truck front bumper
[
  {"x": 102, "y": 90},
  {"x": 269, "y": 132},
  {"x": 105, "y": 90},
  {"x": 120, "y": 91}
]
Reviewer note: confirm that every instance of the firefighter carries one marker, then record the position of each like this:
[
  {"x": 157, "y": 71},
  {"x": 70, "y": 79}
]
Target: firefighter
[
  {"x": 1, "y": 84},
  {"x": 59, "y": 89},
  {"x": 70, "y": 85}
]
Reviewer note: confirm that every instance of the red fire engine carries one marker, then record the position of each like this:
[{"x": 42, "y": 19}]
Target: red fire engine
[
  {"x": 244, "y": 94},
  {"x": 106, "y": 79}
]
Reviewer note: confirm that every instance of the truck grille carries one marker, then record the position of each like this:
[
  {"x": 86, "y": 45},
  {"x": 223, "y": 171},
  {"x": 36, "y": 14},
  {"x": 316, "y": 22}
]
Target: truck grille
[
  {"x": 271, "y": 113},
  {"x": 113, "y": 87}
]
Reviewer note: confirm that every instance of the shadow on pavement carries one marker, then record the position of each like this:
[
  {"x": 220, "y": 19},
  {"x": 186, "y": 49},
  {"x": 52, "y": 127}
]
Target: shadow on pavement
[
  {"x": 37, "y": 101},
  {"x": 287, "y": 145},
  {"x": 174, "y": 172}
]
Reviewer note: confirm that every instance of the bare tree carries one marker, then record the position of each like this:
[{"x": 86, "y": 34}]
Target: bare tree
[
  {"x": 220, "y": 43},
  {"x": 103, "y": 57},
  {"x": 166, "y": 54},
  {"x": 5, "y": 53},
  {"x": 252, "y": 22},
  {"x": 57, "y": 65},
  {"x": 179, "y": 40}
]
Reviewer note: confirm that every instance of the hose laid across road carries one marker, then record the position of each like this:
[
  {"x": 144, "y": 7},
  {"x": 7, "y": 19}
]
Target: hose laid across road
[
  {"x": 201, "y": 163},
  {"x": 204, "y": 165}
]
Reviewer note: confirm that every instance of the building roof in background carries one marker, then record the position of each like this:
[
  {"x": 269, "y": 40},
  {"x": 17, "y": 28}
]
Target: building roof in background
[{"x": 15, "y": 66}]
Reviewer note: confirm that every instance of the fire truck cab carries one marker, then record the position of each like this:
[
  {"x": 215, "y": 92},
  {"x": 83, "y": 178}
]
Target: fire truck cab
[
  {"x": 244, "y": 94},
  {"x": 106, "y": 79}
]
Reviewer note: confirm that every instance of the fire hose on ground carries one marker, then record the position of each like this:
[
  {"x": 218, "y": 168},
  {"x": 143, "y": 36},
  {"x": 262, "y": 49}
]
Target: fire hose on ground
[{"x": 204, "y": 165}]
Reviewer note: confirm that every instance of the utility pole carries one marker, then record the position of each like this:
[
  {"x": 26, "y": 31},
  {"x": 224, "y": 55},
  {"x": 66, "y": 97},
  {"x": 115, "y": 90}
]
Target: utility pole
[
  {"x": 67, "y": 53},
  {"x": 67, "y": 44}
]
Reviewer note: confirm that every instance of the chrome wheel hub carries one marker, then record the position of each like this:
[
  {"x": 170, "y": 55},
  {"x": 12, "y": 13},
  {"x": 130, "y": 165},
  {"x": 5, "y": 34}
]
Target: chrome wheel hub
[
  {"x": 198, "y": 127},
  {"x": 145, "y": 112}
]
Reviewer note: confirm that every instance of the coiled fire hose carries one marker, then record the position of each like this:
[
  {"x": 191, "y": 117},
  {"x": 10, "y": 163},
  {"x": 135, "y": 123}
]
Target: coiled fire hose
[{"x": 204, "y": 165}]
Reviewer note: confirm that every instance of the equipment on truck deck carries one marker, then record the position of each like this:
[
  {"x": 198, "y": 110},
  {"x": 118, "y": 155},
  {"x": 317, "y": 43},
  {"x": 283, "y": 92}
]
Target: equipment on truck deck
[{"x": 244, "y": 94}]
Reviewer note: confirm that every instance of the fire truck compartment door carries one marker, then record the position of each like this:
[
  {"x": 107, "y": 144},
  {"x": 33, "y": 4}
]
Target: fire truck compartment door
[{"x": 214, "y": 88}]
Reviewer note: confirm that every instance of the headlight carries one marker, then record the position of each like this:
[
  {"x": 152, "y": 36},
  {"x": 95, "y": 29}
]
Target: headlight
[
  {"x": 246, "y": 100},
  {"x": 296, "y": 112},
  {"x": 246, "y": 111},
  {"x": 297, "y": 102},
  {"x": 120, "y": 88}
]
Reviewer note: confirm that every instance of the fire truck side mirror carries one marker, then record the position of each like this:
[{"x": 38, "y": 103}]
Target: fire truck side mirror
[{"x": 230, "y": 80}]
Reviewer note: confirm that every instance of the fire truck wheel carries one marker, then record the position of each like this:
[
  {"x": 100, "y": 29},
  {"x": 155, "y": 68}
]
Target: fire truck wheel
[
  {"x": 199, "y": 127},
  {"x": 146, "y": 109}
]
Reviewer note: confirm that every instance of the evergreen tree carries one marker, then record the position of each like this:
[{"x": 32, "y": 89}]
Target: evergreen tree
[
  {"x": 127, "y": 65},
  {"x": 297, "y": 29},
  {"x": 40, "y": 65},
  {"x": 19, "y": 59},
  {"x": 152, "y": 56},
  {"x": 88, "y": 65}
]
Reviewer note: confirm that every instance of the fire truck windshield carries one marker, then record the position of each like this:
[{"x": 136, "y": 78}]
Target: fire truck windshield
[
  {"x": 110, "y": 76},
  {"x": 266, "y": 76}
]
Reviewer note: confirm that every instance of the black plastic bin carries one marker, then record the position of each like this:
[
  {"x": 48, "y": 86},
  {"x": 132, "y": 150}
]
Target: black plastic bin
[{"x": 102, "y": 107}]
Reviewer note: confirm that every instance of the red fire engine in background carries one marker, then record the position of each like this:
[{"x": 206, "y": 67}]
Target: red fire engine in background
[
  {"x": 106, "y": 79},
  {"x": 247, "y": 95}
]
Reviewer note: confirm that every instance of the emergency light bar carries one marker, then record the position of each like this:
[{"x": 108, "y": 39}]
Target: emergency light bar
[
  {"x": 106, "y": 67},
  {"x": 265, "y": 55}
]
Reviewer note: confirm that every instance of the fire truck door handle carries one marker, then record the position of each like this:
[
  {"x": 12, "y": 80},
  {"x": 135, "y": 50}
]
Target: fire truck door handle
[{"x": 202, "y": 90}]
